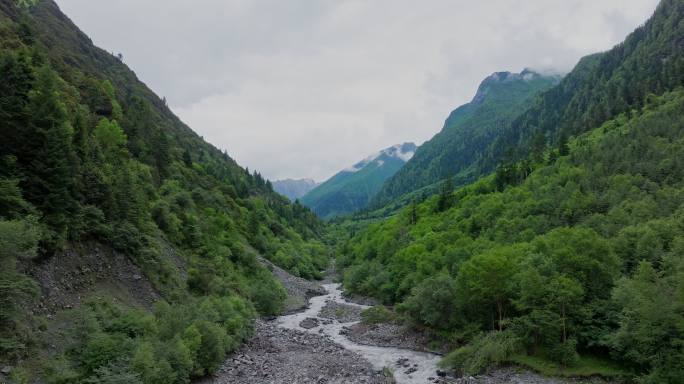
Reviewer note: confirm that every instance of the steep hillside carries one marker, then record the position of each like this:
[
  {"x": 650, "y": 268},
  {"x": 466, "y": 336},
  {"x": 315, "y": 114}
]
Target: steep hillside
[
  {"x": 575, "y": 264},
  {"x": 467, "y": 132},
  {"x": 129, "y": 246},
  {"x": 568, "y": 257},
  {"x": 294, "y": 189},
  {"x": 352, "y": 188},
  {"x": 600, "y": 87}
]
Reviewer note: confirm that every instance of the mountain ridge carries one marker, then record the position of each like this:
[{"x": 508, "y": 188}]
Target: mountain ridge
[
  {"x": 467, "y": 132},
  {"x": 351, "y": 188}
]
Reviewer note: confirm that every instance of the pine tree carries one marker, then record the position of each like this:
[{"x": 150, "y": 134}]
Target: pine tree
[
  {"x": 446, "y": 195},
  {"x": 17, "y": 79},
  {"x": 50, "y": 179},
  {"x": 187, "y": 158}
]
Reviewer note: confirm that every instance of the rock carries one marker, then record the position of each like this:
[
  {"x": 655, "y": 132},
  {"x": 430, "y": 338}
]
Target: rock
[
  {"x": 285, "y": 356},
  {"x": 309, "y": 323},
  {"x": 441, "y": 373},
  {"x": 6, "y": 370}
]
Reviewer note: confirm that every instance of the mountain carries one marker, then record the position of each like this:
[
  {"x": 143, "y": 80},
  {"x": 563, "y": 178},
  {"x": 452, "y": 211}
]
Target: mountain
[
  {"x": 294, "y": 189},
  {"x": 121, "y": 225},
  {"x": 565, "y": 255},
  {"x": 601, "y": 86},
  {"x": 352, "y": 188},
  {"x": 467, "y": 132}
]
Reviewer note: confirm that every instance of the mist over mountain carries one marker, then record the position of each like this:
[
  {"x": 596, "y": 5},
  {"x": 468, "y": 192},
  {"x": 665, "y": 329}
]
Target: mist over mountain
[
  {"x": 353, "y": 187},
  {"x": 294, "y": 188},
  {"x": 538, "y": 237},
  {"x": 467, "y": 132}
]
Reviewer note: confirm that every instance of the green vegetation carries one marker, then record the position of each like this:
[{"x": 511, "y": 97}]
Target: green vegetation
[
  {"x": 467, "y": 132},
  {"x": 351, "y": 189},
  {"x": 515, "y": 118},
  {"x": 564, "y": 254},
  {"x": 582, "y": 254},
  {"x": 601, "y": 87},
  {"x": 586, "y": 366},
  {"x": 170, "y": 345},
  {"x": 89, "y": 155},
  {"x": 378, "y": 314}
]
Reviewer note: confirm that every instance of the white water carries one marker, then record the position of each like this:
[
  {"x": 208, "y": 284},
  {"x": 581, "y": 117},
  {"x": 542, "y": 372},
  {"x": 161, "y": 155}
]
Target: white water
[{"x": 379, "y": 357}]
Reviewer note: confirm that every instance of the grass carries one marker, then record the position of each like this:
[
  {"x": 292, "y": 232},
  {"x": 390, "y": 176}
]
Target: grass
[
  {"x": 389, "y": 375},
  {"x": 586, "y": 366}
]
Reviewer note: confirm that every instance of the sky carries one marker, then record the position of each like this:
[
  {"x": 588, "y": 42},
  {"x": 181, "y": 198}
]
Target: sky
[{"x": 305, "y": 88}]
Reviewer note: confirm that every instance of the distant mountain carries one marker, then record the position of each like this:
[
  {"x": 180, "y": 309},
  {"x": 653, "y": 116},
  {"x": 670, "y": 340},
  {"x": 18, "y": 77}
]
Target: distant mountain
[
  {"x": 352, "y": 188},
  {"x": 467, "y": 132},
  {"x": 294, "y": 188}
]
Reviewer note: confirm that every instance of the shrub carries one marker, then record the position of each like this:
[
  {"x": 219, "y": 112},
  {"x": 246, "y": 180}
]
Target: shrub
[
  {"x": 486, "y": 350},
  {"x": 114, "y": 373},
  {"x": 565, "y": 353},
  {"x": 378, "y": 314},
  {"x": 268, "y": 296}
]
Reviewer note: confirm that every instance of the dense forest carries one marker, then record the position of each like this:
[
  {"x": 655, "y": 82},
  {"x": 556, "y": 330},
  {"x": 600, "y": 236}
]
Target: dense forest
[
  {"x": 600, "y": 87},
  {"x": 566, "y": 254},
  {"x": 543, "y": 227},
  {"x": 467, "y": 132},
  {"x": 91, "y": 158},
  {"x": 582, "y": 257},
  {"x": 479, "y": 136}
]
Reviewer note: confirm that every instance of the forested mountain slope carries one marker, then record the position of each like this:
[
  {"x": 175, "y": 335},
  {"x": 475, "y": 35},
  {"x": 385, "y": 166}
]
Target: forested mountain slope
[
  {"x": 351, "y": 189},
  {"x": 105, "y": 195},
  {"x": 467, "y": 132},
  {"x": 567, "y": 254},
  {"x": 600, "y": 87},
  {"x": 583, "y": 255}
]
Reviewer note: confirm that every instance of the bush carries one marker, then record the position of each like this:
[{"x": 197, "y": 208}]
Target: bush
[
  {"x": 485, "y": 351},
  {"x": 103, "y": 348},
  {"x": 268, "y": 296},
  {"x": 432, "y": 303},
  {"x": 212, "y": 350},
  {"x": 114, "y": 373},
  {"x": 378, "y": 314},
  {"x": 565, "y": 353}
]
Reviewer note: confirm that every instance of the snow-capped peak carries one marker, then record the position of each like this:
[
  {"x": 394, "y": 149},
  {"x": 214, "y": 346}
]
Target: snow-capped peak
[{"x": 403, "y": 152}]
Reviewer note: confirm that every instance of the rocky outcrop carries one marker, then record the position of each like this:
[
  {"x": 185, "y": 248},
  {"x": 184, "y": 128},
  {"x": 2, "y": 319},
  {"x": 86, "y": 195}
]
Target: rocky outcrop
[{"x": 89, "y": 270}]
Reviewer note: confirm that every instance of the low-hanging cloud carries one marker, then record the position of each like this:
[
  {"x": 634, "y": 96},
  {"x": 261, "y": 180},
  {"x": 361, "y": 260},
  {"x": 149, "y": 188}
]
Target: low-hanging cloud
[{"x": 304, "y": 88}]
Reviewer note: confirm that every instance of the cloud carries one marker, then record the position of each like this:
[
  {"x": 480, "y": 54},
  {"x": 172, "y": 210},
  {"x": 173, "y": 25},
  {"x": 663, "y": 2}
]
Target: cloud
[{"x": 304, "y": 88}]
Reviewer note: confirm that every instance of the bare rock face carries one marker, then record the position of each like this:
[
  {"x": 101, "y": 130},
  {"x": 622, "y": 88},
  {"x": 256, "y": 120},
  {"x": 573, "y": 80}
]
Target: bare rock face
[{"x": 71, "y": 276}]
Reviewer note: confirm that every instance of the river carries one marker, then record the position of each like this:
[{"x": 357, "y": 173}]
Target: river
[{"x": 422, "y": 365}]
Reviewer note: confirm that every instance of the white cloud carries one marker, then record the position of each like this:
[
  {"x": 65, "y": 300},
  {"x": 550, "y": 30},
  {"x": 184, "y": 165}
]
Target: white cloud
[{"x": 302, "y": 88}]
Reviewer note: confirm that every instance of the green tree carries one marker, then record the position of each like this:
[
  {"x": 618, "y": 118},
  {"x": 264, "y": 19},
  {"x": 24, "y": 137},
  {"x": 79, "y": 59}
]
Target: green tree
[
  {"x": 487, "y": 280},
  {"x": 51, "y": 168},
  {"x": 446, "y": 195},
  {"x": 433, "y": 302},
  {"x": 18, "y": 240}
]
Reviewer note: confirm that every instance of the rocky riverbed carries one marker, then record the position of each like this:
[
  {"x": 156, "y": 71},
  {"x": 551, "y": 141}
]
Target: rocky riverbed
[
  {"x": 326, "y": 343},
  {"x": 285, "y": 356}
]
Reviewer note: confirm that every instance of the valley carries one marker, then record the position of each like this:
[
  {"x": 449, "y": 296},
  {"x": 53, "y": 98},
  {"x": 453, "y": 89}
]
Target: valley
[
  {"x": 538, "y": 237},
  {"x": 313, "y": 345}
]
